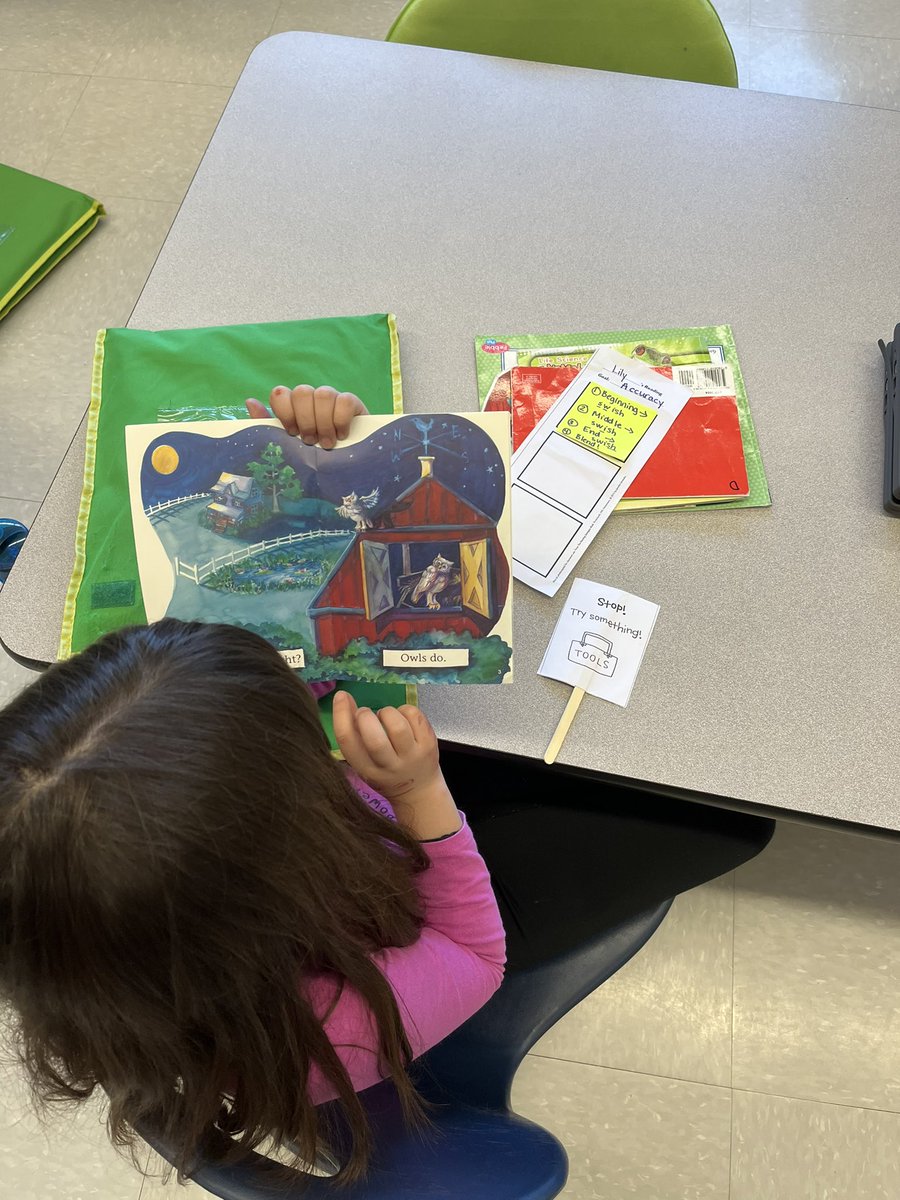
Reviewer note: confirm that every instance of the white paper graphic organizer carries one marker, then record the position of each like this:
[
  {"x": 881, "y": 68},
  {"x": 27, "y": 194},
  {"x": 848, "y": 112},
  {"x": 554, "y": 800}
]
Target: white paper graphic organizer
[{"x": 572, "y": 469}]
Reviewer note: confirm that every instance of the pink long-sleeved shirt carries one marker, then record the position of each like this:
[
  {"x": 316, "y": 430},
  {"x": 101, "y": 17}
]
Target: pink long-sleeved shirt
[{"x": 453, "y": 968}]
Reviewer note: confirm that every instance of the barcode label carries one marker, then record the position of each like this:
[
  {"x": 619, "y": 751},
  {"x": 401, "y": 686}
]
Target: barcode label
[{"x": 706, "y": 381}]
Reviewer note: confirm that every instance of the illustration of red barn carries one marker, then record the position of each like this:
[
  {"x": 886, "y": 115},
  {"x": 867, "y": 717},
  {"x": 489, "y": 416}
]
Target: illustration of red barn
[{"x": 432, "y": 562}]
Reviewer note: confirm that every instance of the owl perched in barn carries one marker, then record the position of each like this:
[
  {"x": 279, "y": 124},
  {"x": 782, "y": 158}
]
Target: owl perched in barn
[
  {"x": 355, "y": 508},
  {"x": 436, "y": 576}
]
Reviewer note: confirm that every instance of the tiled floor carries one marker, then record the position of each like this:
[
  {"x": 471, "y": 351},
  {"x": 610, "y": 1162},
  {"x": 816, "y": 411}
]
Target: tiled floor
[{"x": 753, "y": 1049}]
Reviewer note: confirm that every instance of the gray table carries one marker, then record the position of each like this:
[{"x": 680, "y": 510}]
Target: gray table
[{"x": 477, "y": 195}]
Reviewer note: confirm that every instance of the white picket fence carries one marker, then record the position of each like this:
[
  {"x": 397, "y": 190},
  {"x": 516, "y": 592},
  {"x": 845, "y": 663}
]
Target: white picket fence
[
  {"x": 156, "y": 508},
  {"x": 200, "y": 571}
]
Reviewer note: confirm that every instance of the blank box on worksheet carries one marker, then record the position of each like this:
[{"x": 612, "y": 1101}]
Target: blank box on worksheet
[
  {"x": 540, "y": 532},
  {"x": 571, "y": 475}
]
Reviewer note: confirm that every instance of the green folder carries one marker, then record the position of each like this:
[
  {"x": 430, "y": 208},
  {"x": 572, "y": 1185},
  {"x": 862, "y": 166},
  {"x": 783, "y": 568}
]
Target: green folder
[
  {"x": 40, "y": 223},
  {"x": 141, "y": 376}
]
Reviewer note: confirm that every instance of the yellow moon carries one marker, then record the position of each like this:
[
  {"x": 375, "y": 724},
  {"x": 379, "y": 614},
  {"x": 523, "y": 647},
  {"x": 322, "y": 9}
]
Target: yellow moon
[{"x": 164, "y": 459}]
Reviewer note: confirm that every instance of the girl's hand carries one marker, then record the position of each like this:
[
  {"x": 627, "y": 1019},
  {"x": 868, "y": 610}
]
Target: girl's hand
[
  {"x": 396, "y": 751},
  {"x": 320, "y": 414}
]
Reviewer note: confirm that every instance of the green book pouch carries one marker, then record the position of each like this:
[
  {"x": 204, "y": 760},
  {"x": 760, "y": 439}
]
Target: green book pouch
[
  {"x": 139, "y": 375},
  {"x": 40, "y": 223}
]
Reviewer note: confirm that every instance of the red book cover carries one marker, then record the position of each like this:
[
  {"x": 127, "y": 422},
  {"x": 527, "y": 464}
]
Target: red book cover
[
  {"x": 498, "y": 398},
  {"x": 533, "y": 391},
  {"x": 701, "y": 455}
]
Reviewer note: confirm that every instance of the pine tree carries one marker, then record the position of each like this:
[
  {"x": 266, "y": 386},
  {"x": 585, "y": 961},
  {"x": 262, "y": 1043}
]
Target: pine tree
[{"x": 272, "y": 474}]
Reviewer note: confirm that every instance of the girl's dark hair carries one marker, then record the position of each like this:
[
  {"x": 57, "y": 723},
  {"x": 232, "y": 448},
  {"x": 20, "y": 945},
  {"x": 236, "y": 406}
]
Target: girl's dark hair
[{"x": 178, "y": 850}]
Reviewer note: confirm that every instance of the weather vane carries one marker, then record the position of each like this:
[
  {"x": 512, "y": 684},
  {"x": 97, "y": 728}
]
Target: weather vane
[{"x": 426, "y": 443}]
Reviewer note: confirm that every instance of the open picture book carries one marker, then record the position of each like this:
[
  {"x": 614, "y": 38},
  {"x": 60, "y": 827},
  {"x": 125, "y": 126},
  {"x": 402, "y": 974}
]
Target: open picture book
[{"x": 384, "y": 560}]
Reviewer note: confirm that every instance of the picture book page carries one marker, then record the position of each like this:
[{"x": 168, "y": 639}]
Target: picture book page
[{"x": 385, "y": 560}]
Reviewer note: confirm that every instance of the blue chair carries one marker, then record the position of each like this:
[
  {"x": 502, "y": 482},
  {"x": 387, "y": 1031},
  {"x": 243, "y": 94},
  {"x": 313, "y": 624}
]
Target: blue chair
[
  {"x": 12, "y": 537},
  {"x": 478, "y": 1148}
]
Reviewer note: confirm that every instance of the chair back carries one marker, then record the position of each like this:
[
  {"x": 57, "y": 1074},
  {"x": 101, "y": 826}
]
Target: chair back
[
  {"x": 478, "y": 1062},
  {"x": 671, "y": 39},
  {"x": 477, "y": 1149},
  {"x": 468, "y": 1154},
  {"x": 12, "y": 539}
]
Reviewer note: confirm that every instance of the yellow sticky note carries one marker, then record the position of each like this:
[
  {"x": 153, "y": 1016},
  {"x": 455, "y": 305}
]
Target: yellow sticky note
[{"x": 606, "y": 422}]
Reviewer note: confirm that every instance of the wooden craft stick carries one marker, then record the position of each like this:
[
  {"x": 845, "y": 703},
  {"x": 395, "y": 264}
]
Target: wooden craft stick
[{"x": 563, "y": 727}]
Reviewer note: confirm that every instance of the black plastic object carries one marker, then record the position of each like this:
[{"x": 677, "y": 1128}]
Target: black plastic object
[
  {"x": 891, "y": 426},
  {"x": 477, "y": 1149}
]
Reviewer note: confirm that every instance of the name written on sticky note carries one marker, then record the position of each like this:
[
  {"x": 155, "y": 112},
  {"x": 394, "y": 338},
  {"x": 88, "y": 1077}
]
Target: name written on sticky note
[{"x": 606, "y": 422}]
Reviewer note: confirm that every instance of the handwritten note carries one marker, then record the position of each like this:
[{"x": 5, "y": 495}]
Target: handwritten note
[
  {"x": 571, "y": 470},
  {"x": 599, "y": 640},
  {"x": 606, "y": 422}
]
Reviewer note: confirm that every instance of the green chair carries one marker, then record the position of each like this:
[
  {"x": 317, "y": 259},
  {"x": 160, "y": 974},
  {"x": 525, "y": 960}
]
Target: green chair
[{"x": 672, "y": 39}]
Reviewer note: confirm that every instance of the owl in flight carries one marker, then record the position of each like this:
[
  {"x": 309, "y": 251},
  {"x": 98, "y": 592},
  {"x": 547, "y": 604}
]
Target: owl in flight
[
  {"x": 356, "y": 508},
  {"x": 433, "y": 580}
]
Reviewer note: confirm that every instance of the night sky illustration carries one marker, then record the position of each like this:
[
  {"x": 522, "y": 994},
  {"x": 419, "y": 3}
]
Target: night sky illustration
[{"x": 465, "y": 460}]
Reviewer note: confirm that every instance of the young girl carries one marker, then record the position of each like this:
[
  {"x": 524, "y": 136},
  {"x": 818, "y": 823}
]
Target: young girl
[{"x": 199, "y": 905}]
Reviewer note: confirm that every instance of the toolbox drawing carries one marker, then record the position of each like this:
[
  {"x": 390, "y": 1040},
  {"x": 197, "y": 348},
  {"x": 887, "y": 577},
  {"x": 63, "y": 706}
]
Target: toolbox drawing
[{"x": 594, "y": 651}]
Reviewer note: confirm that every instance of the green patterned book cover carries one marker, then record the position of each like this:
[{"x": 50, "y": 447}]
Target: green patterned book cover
[{"x": 703, "y": 359}]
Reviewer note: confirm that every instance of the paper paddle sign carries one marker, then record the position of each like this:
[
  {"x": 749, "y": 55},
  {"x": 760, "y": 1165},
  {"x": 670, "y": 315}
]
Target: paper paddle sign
[{"x": 599, "y": 640}]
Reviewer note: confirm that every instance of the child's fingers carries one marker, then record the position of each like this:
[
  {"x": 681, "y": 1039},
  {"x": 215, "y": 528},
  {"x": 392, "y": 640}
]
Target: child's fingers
[
  {"x": 320, "y": 415},
  {"x": 343, "y": 711},
  {"x": 398, "y": 729},
  {"x": 346, "y": 407},
  {"x": 412, "y": 714},
  {"x": 343, "y": 716},
  {"x": 325, "y": 398},
  {"x": 374, "y": 738},
  {"x": 418, "y": 723},
  {"x": 303, "y": 401},
  {"x": 283, "y": 409}
]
